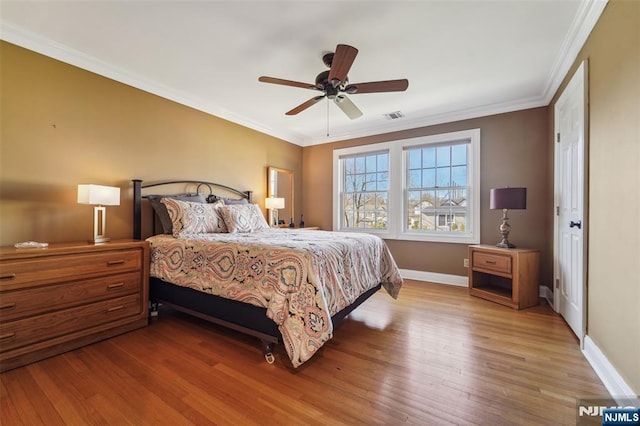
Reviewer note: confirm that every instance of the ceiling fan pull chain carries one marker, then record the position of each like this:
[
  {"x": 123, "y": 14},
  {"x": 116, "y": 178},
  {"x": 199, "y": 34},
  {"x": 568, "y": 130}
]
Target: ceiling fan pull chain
[{"x": 327, "y": 117}]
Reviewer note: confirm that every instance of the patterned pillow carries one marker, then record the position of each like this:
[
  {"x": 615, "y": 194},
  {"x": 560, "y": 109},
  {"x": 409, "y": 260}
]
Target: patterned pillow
[
  {"x": 243, "y": 218},
  {"x": 161, "y": 209},
  {"x": 194, "y": 218}
]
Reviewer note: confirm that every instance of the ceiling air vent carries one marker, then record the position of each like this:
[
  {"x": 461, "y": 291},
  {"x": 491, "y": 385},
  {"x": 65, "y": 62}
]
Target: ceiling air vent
[{"x": 394, "y": 115}]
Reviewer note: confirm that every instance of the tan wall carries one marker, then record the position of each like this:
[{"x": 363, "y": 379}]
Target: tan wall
[
  {"x": 62, "y": 126},
  {"x": 514, "y": 152},
  {"x": 613, "y": 312}
]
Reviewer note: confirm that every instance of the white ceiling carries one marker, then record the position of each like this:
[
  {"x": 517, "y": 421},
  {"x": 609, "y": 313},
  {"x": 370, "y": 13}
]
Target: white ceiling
[{"x": 462, "y": 58}]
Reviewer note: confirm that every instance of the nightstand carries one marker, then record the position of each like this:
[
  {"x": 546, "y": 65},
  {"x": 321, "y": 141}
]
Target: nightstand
[
  {"x": 60, "y": 298},
  {"x": 506, "y": 276}
]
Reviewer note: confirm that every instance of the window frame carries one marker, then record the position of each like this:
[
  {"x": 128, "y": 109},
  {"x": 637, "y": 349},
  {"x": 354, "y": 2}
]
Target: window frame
[{"x": 398, "y": 187}]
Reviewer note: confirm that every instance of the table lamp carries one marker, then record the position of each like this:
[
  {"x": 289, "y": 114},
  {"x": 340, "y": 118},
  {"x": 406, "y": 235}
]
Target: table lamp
[
  {"x": 507, "y": 199},
  {"x": 273, "y": 204},
  {"x": 99, "y": 196}
]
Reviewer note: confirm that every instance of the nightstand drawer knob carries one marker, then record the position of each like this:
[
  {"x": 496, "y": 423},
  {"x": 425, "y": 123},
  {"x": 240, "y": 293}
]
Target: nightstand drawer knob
[
  {"x": 114, "y": 262},
  {"x": 7, "y": 276},
  {"x": 115, "y": 308},
  {"x": 490, "y": 262}
]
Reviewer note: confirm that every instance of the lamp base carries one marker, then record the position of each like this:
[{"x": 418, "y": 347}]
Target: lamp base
[
  {"x": 505, "y": 244},
  {"x": 100, "y": 240},
  {"x": 504, "y": 231}
]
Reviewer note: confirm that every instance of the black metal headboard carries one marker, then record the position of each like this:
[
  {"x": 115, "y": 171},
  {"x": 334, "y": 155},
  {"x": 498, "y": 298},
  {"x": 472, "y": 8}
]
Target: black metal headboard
[{"x": 138, "y": 186}]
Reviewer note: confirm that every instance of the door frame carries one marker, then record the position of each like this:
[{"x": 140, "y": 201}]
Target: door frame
[{"x": 582, "y": 74}]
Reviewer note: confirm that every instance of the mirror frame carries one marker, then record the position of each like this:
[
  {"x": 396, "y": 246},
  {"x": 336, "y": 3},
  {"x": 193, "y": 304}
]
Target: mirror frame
[{"x": 273, "y": 174}]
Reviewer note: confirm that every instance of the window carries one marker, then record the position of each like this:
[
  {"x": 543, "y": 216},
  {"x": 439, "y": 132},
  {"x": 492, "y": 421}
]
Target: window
[
  {"x": 366, "y": 191},
  {"x": 423, "y": 188}
]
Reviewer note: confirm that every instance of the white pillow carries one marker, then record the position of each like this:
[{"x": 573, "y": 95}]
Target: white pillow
[
  {"x": 243, "y": 218},
  {"x": 194, "y": 218}
]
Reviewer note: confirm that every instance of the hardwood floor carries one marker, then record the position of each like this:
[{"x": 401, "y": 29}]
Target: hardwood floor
[{"x": 435, "y": 356}]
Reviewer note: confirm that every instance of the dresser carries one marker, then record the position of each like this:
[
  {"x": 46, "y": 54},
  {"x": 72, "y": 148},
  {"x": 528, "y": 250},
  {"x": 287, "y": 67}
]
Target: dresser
[
  {"x": 506, "y": 276},
  {"x": 68, "y": 295}
]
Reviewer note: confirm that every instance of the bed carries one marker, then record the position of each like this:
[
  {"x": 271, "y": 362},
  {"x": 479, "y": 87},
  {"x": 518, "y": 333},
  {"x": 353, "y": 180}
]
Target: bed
[{"x": 215, "y": 257}]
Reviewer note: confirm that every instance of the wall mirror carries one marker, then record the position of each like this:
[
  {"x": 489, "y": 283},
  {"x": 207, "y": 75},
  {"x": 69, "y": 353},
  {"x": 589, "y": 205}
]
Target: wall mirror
[{"x": 280, "y": 184}]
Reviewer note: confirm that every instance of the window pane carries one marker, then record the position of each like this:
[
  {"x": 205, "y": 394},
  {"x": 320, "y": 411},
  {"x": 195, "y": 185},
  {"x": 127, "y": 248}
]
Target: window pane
[
  {"x": 428, "y": 178},
  {"x": 360, "y": 164},
  {"x": 371, "y": 163},
  {"x": 443, "y": 156},
  {"x": 443, "y": 176},
  {"x": 383, "y": 181},
  {"x": 383, "y": 162},
  {"x": 415, "y": 160},
  {"x": 459, "y": 176},
  {"x": 428, "y": 157},
  {"x": 459, "y": 154},
  {"x": 414, "y": 179}
]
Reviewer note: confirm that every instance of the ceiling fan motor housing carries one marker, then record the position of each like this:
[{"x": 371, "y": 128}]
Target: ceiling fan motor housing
[{"x": 323, "y": 83}]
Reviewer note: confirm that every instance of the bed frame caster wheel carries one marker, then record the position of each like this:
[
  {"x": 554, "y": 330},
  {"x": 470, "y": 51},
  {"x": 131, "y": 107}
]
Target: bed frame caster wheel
[
  {"x": 267, "y": 349},
  {"x": 270, "y": 358}
]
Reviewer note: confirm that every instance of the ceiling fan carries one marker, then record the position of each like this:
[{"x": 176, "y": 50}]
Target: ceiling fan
[{"x": 335, "y": 83}]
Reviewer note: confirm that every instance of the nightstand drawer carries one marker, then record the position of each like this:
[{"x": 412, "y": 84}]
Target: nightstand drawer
[
  {"x": 491, "y": 262},
  {"x": 49, "y": 269},
  {"x": 37, "y": 300},
  {"x": 14, "y": 334}
]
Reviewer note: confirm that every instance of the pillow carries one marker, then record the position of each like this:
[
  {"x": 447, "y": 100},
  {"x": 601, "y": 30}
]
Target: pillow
[
  {"x": 233, "y": 201},
  {"x": 243, "y": 218},
  {"x": 193, "y": 218},
  {"x": 161, "y": 209}
]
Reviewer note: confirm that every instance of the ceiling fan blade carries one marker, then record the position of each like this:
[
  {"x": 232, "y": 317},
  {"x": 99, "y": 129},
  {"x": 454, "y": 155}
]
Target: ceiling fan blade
[
  {"x": 287, "y": 82},
  {"x": 347, "y": 107},
  {"x": 341, "y": 64},
  {"x": 378, "y": 86},
  {"x": 305, "y": 105}
]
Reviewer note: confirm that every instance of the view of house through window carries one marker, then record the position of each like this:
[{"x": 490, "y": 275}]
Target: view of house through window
[
  {"x": 437, "y": 187},
  {"x": 424, "y": 188}
]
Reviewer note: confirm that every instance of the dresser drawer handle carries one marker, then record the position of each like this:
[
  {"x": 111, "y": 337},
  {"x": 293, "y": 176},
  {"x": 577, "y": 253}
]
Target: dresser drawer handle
[
  {"x": 7, "y": 276},
  {"x": 114, "y": 262},
  {"x": 8, "y": 306},
  {"x": 7, "y": 336},
  {"x": 115, "y": 308},
  {"x": 490, "y": 262},
  {"x": 115, "y": 286}
]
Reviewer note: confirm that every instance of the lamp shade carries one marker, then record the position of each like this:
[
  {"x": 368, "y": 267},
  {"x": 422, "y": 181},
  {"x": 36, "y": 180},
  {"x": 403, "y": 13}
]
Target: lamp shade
[
  {"x": 508, "y": 198},
  {"x": 98, "y": 194},
  {"x": 274, "y": 203}
]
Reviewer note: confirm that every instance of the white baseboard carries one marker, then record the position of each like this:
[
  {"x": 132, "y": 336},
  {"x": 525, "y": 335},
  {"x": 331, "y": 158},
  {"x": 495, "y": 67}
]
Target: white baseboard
[
  {"x": 614, "y": 383},
  {"x": 547, "y": 294},
  {"x": 435, "y": 277}
]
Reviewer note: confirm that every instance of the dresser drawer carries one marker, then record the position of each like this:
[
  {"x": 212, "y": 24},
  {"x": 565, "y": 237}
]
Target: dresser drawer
[
  {"x": 50, "y": 269},
  {"x": 38, "y": 300},
  {"x": 491, "y": 262},
  {"x": 15, "y": 334}
]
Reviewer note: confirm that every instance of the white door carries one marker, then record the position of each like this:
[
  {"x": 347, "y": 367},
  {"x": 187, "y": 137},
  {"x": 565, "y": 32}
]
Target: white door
[{"x": 570, "y": 201}]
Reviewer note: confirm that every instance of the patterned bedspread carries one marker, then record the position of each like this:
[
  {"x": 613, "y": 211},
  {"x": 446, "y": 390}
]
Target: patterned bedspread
[{"x": 301, "y": 277}]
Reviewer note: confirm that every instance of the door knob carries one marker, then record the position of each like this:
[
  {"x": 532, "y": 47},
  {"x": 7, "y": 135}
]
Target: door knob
[{"x": 577, "y": 224}]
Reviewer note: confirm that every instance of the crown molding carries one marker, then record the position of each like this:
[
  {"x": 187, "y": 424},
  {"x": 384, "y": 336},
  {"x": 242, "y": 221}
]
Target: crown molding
[{"x": 583, "y": 23}]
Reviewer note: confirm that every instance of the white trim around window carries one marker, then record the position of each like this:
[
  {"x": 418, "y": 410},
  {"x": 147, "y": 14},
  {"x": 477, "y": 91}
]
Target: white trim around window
[{"x": 397, "y": 220}]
